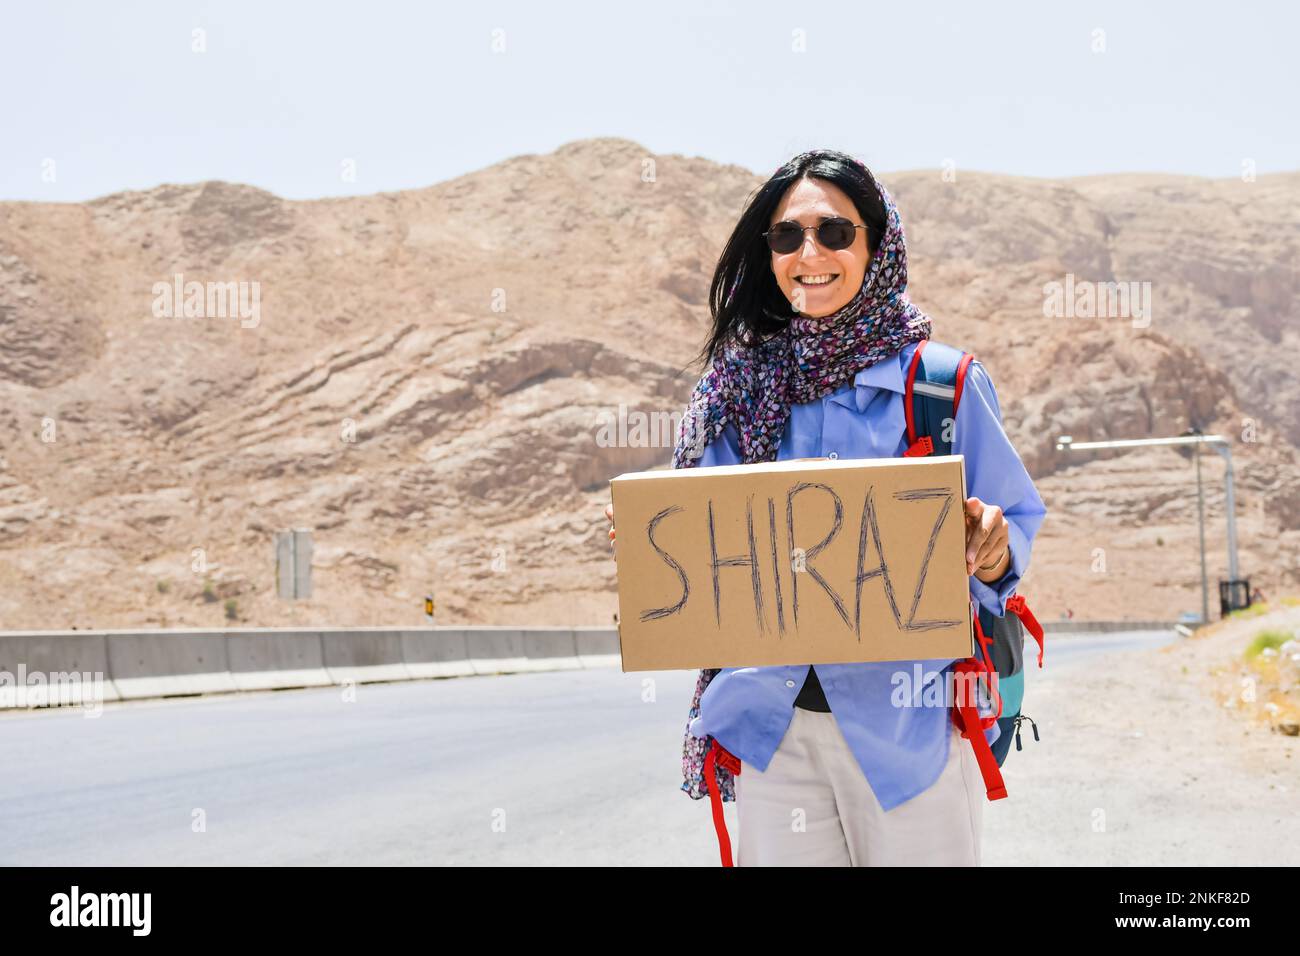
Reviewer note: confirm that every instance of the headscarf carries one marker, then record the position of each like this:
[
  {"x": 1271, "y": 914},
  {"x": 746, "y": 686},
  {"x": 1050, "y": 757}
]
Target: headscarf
[{"x": 754, "y": 387}]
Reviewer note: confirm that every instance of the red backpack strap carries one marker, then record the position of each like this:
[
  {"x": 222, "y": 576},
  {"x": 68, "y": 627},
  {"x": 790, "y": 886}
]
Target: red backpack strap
[
  {"x": 1017, "y": 606},
  {"x": 719, "y": 754},
  {"x": 968, "y": 721},
  {"x": 917, "y": 447},
  {"x": 907, "y": 403},
  {"x": 961, "y": 382},
  {"x": 965, "y": 712}
]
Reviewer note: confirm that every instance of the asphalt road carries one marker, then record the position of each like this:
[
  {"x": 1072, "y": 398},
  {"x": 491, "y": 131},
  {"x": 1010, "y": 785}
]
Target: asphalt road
[{"x": 478, "y": 770}]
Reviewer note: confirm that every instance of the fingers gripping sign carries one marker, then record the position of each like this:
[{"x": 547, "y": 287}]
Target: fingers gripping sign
[
  {"x": 987, "y": 539},
  {"x": 609, "y": 513}
]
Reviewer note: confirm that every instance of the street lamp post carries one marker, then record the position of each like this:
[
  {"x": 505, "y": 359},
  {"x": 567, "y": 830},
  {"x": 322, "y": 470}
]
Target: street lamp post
[
  {"x": 1200, "y": 521},
  {"x": 1219, "y": 444}
]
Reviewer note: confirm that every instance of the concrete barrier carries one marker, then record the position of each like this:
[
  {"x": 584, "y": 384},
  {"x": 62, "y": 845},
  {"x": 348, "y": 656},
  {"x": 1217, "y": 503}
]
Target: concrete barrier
[
  {"x": 495, "y": 650},
  {"x": 509, "y": 650},
  {"x": 44, "y": 668},
  {"x": 551, "y": 649},
  {"x": 165, "y": 663},
  {"x": 437, "y": 652},
  {"x": 363, "y": 655},
  {"x": 276, "y": 659},
  {"x": 1102, "y": 627},
  {"x": 598, "y": 647},
  {"x": 168, "y": 663}
]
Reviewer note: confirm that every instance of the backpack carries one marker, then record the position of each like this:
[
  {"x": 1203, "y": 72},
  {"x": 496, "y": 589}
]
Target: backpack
[{"x": 935, "y": 379}]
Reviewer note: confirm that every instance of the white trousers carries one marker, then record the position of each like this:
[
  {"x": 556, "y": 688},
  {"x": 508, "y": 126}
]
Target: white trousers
[{"x": 814, "y": 807}]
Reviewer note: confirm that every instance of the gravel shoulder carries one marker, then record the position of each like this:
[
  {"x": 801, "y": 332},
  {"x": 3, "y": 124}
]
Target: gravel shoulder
[{"x": 1141, "y": 762}]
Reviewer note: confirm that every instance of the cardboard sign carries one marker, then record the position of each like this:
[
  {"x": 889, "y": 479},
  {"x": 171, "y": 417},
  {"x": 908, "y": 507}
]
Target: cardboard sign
[{"x": 805, "y": 561}]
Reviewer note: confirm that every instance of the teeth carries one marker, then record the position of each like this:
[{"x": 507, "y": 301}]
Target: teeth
[{"x": 815, "y": 280}]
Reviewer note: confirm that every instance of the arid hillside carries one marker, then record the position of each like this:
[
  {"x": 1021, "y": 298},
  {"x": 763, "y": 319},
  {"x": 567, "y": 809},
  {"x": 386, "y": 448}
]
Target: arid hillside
[{"x": 426, "y": 379}]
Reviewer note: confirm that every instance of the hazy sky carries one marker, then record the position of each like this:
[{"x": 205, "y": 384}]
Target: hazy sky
[{"x": 100, "y": 96}]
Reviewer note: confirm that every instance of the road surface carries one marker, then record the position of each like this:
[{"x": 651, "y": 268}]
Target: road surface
[{"x": 560, "y": 768}]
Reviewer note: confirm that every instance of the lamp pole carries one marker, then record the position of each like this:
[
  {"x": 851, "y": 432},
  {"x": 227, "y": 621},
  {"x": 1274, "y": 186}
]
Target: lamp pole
[
  {"x": 1194, "y": 437},
  {"x": 1200, "y": 520}
]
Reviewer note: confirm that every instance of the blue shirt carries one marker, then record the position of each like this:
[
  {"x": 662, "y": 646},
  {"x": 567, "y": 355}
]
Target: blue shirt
[{"x": 901, "y": 749}]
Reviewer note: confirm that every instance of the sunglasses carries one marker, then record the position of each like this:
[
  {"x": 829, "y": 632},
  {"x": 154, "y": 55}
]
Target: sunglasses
[{"x": 833, "y": 234}]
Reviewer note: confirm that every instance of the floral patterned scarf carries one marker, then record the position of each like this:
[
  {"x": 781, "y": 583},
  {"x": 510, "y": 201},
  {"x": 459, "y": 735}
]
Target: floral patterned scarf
[{"x": 754, "y": 388}]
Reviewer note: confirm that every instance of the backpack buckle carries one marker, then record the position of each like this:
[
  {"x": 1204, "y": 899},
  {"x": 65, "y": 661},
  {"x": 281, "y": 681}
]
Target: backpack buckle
[{"x": 922, "y": 446}]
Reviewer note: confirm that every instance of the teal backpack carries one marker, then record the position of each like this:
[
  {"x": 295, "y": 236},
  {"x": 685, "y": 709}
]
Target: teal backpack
[{"x": 934, "y": 386}]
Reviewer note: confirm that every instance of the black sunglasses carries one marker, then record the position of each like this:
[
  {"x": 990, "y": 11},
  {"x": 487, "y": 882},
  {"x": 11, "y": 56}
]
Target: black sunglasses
[{"x": 834, "y": 234}]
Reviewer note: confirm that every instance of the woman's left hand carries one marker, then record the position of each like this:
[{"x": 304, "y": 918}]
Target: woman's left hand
[{"x": 987, "y": 538}]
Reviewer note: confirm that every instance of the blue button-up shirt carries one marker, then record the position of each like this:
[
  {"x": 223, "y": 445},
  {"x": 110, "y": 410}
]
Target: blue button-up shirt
[{"x": 901, "y": 749}]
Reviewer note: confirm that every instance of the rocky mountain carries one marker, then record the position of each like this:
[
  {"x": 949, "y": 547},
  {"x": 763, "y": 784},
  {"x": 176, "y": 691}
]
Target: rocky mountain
[{"x": 429, "y": 380}]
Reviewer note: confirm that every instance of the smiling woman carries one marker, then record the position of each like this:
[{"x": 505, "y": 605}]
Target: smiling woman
[{"x": 814, "y": 352}]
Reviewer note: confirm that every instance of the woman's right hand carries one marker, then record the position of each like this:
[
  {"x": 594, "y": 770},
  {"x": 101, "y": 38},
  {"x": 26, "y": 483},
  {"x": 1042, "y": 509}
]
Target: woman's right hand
[{"x": 609, "y": 513}]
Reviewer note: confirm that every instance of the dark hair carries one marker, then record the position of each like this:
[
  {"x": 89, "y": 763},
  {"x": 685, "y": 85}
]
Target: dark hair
[{"x": 744, "y": 299}]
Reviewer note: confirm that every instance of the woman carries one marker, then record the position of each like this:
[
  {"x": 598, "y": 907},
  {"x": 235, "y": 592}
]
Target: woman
[{"x": 810, "y": 345}]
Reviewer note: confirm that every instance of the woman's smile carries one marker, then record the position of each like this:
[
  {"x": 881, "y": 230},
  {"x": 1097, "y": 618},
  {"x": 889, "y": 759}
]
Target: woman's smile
[{"x": 821, "y": 279}]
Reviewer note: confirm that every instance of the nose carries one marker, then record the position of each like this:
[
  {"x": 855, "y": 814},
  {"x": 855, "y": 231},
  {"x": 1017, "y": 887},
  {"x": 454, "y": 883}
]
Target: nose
[{"x": 810, "y": 248}]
